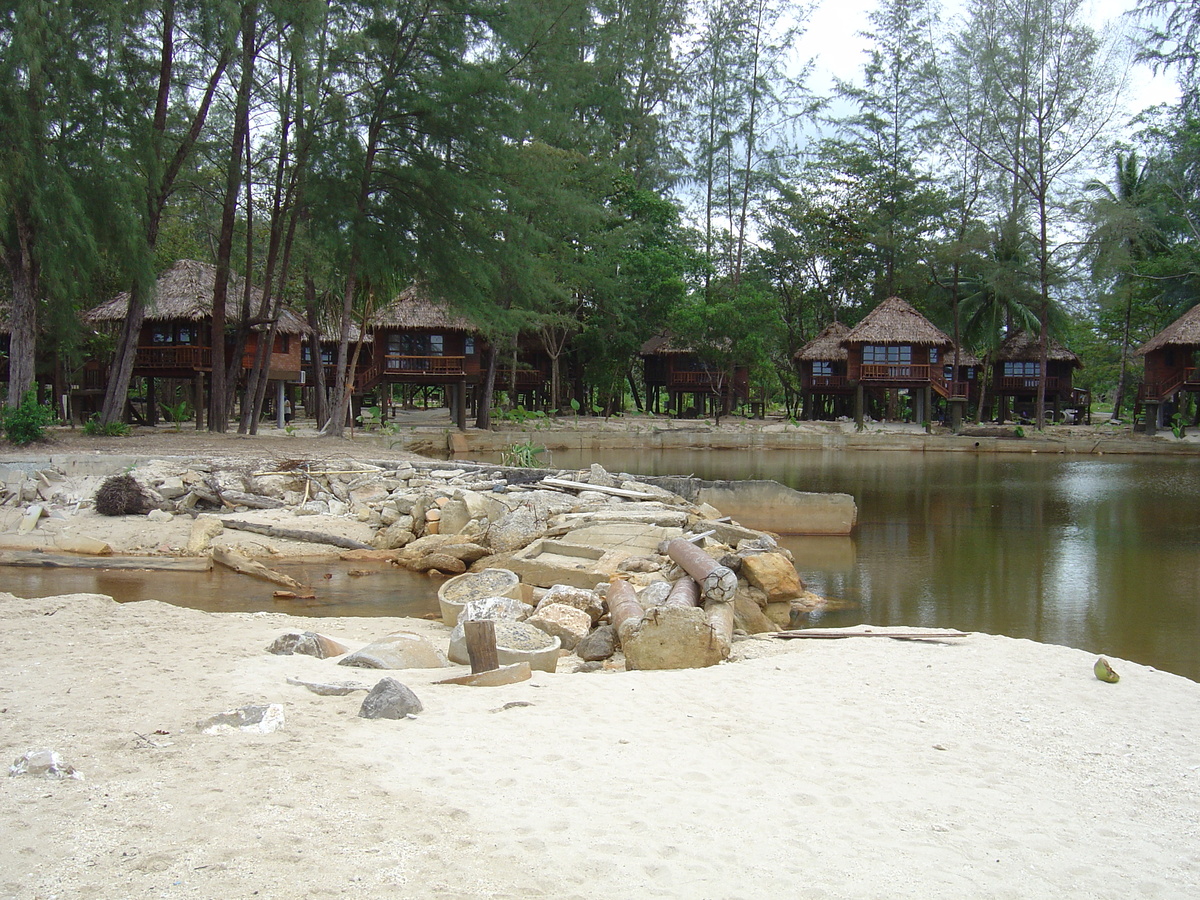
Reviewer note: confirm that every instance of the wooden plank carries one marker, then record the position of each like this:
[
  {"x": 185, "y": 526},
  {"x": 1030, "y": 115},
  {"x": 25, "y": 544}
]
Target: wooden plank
[
  {"x": 583, "y": 486},
  {"x": 846, "y": 633},
  {"x": 55, "y": 561}
]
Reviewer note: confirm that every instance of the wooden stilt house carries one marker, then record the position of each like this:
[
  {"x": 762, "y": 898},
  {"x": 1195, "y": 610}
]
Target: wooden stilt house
[
  {"x": 679, "y": 372},
  {"x": 421, "y": 342},
  {"x": 1017, "y": 370},
  {"x": 174, "y": 345},
  {"x": 896, "y": 352},
  {"x": 1170, "y": 369},
  {"x": 825, "y": 388}
]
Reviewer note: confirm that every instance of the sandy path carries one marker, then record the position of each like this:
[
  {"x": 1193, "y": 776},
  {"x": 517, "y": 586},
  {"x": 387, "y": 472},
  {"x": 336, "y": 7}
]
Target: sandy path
[{"x": 858, "y": 768}]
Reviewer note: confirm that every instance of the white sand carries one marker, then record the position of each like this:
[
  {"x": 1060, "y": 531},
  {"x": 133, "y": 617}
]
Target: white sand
[{"x": 862, "y": 768}]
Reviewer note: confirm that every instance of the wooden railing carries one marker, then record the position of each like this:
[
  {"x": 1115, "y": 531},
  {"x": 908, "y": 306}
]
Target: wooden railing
[
  {"x": 894, "y": 372},
  {"x": 195, "y": 358},
  {"x": 706, "y": 380},
  {"x": 1160, "y": 390},
  {"x": 815, "y": 382},
  {"x": 525, "y": 378},
  {"x": 432, "y": 366},
  {"x": 1028, "y": 383}
]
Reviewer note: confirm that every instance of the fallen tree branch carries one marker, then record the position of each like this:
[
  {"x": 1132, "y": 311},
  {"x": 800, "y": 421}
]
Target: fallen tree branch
[
  {"x": 244, "y": 566},
  {"x": 293, "y": 534}
]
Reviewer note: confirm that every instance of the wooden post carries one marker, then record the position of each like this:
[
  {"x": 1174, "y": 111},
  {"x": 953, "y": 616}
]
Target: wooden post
[
  {"x": 460, "y": 405},
  {"x": 481, "y": 644},
  {"x": 858, "y": 406},
  {"x": 198, "y": 400},
  {"x": 717, "y": 582},
  {"x": 151, "y": 402}
]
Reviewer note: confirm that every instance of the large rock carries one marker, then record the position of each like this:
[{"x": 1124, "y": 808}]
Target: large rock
[
  {"x": 307, "y": 643},
  {"x": 600, "y": 644},
  {"x": 774, "y": 574},
  {"x": 568, "y": 624},
  {"x": 580, "y": 598},
  {"x": 749, "y": 616},
  {"x": 399, "y": 650},
  {"x": 204, "y": 529},
  {"x": 396, "y": 535},
  {"x": 390, "y": 699},
  {"x": 515, "y": 530},
  {"x": 672, "y": 638}
]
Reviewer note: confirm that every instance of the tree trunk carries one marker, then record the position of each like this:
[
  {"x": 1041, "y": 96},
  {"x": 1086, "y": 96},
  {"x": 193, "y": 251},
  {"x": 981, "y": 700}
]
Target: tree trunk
[{"x": 23, "y": 272}]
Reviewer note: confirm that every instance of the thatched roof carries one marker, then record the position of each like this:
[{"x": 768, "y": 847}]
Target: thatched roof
[
  {"x": 895, "y": 322},
  {"x": 1183, "y": 332},
  {"x": 965, "y": 357},
  {"x": 413, "y": 309},
  {"x": 825, "y": 346},
  {"x": 185, "y": 292},
  {"x": 662, "y": 344},
  {"x": 1023, "y": 346}
]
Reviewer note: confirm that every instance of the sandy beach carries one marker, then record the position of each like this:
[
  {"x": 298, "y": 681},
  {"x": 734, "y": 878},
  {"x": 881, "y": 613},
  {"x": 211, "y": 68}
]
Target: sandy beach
[{"x": 857, "y": 768}]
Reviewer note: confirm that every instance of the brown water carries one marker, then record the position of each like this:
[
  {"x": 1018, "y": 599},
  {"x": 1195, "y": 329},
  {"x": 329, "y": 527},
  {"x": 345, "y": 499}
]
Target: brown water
[
  {"x": 381, "y": 590},
  {"x": 1097, "y": 553}
]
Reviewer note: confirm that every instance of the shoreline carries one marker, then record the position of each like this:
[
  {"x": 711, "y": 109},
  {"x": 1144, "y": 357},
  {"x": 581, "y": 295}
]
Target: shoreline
[{"x": 986, "y": 767}]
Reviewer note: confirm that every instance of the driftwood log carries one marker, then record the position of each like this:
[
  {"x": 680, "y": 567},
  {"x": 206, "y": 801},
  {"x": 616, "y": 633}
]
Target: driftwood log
[
  {"x": 245, "y": 566},
  {"x": 717, "y": 582},
  {"x": 53, "y": 561},
  {"x": 293, "y": 534}
]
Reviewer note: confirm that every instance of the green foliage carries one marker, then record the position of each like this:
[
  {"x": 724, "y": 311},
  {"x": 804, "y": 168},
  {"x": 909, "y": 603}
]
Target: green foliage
[
  {"x": 95, "y": 428},
  {"x": 518, "y": 415},
  {"x": 177, "y": 413},
  {"x": 1018, "y": 431},
  {"x": 1178, "y": 426},
  {"x": 27, "y": 422},
  {"x": 522, "y": 456}
]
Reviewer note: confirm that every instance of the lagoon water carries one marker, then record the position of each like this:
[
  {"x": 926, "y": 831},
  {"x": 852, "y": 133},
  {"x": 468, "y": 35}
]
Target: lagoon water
[{"x": 1097, "y": 553}]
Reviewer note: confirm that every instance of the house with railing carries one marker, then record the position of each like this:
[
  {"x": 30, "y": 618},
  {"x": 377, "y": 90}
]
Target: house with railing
[
  {"x": 679, "y": 372},
  {"x": 1017, "y": 370},
  {"x": 825, "y": 389},
  {"x": 1170, "y": 369},
  {"x": 175, "y": 342},
  {"x": 418, "y": 341},
  {"x": 894, "y": 353}
]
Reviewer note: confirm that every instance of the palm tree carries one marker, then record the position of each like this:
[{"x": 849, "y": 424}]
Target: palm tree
[{"x": 1126, "y": 231}]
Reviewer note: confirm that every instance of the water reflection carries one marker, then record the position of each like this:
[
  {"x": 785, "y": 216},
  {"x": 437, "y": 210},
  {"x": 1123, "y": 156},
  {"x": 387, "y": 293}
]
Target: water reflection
[
  {"x": 358, "y": 589},
  {"x": 1097, "y": 553}
]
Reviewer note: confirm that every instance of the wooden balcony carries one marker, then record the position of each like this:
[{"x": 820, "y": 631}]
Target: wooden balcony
[
  {"x": 195, "y": 359},
  {"x": 688, "y": 381},
  {"x": 425, "y": 366},
  {"x": 526, "y": 379},
  {"x": 1020, "y": 384},
  {"x": 895, "y": 372},
  {"x": 821, "y": 383}
]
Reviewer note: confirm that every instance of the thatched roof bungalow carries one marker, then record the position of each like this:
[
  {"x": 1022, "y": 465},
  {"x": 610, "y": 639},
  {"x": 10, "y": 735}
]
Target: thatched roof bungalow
[
  {"x": 418, "y": 340},
  {"x": 1170, "y": 359},
  {"x": 1018, "y": 368},
  {"x": 175, "y": 340},
  {"x": 671, "y": 366},
  {"x": 822, "y": 363},
  {"x": 891, "y": 347}
]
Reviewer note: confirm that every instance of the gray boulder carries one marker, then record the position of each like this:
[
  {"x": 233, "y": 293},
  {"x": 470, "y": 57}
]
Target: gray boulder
[{"x": 390, "y": 699}]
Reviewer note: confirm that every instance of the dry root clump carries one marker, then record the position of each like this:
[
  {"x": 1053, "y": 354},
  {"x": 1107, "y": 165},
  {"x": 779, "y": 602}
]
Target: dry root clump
[{"x": 121, "y": 495}]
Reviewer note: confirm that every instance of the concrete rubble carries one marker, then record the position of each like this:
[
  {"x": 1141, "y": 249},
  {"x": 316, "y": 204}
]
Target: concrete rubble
[{"x": 559, "y": 539}]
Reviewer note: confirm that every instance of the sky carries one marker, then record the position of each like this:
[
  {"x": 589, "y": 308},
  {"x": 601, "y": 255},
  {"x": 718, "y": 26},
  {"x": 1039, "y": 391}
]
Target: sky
[{"x": 831, "y": 39}]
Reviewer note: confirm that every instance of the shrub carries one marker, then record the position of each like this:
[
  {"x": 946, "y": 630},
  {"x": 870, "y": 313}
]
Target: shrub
[
  {"x": 26, "y": 423},
  {"x": 95, "y": 428},
  {"x": 121, "y": 495}
]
